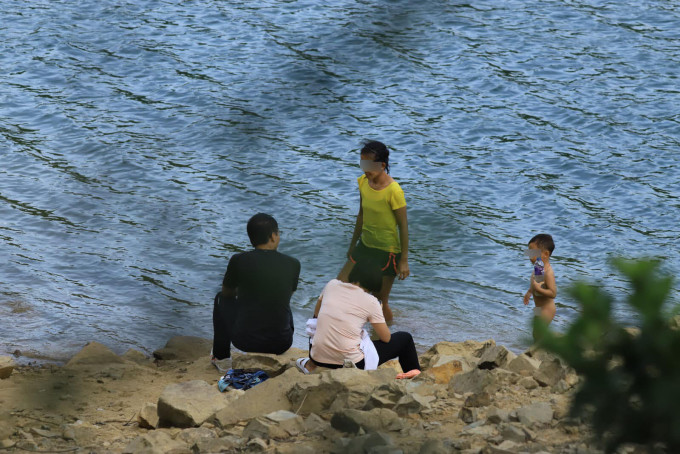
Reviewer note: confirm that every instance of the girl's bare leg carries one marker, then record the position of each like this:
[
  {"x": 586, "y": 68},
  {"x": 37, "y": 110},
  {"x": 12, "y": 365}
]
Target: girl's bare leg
[{"x": 384, "y": 297}]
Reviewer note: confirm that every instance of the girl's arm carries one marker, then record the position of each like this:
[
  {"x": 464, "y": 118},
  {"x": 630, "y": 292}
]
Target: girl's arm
[
  {"x": 318, "y": 307},
  {"x": 402, "y": 222},
  {"x": 357, "y": 229},
  {"x": 382, "y": 331}
]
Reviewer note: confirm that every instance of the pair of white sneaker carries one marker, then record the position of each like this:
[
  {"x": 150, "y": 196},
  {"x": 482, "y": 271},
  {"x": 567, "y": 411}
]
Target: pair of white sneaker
[{"x": 222, "y": 365}]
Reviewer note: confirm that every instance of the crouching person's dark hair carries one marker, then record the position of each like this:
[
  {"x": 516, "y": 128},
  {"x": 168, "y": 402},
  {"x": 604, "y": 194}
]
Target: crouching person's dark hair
[
  {"x": 367, "y": 274},
  {"x": 260, "y": 228}
]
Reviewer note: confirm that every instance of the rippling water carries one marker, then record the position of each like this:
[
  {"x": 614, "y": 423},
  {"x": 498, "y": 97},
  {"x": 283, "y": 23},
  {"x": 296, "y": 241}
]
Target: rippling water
[{"x": 137, "y": 138}]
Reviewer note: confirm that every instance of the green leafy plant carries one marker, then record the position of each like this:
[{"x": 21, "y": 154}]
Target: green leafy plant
[{"x": 630, "y": 390}]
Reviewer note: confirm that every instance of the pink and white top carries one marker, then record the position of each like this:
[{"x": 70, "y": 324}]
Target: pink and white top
[{"x": 345, "y": 308}]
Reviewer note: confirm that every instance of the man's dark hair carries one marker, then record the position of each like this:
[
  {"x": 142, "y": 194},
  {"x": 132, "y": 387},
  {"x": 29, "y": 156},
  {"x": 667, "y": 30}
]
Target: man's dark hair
[
  {"x": 367, "y": 273},
  {"x": 260, "y": 228},
  {"x": 544, "y": 241}
]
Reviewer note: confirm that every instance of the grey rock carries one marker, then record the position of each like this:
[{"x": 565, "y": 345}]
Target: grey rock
[
  {"x": 6, "y": 367},
  {"x": 184, "y": 348},
  {"x": 148, "y": 416},
  {"x": 480, "y": 399},
  {"x": 496, "y": 415},
  {"x": 386, "y": 395},
  {"x": 229, "y": 443},
  {"x": 412, "y": 404},
  {"x": 513, "y": 433},
  {"x": 137, "y": 357},
  {"x": 535, "y": 414},
  {"x": 267, "y": 397},
  {"x": 83, "y": 433},
  {"x": 475, "y": 381},
  {"x": 189, "y": 404},
  {"x": 374, "y": 443},
  {"x": 467, "y": 363},
  {"x": 195, "y": 435},
  {"x": 495, "y": 356},
  {"x": 504, "y": 377},
  {"x": 433, "y": 447},
  {"x": 314, "y": 424},
  {"x": 261, "y": 428},
  {"x": 155, "y": 442},
  {"x": 257, "y": 445},
  {"x": 468, "y": 350},
  {"x": 550, "y": 372},
  {"x": 279, "y": 424},
  {"x": 378, "y": 419},
  {"x": 507, "y": 447},
  {"x": 528, "y": 383},
  {"x": 337, "y": 389},
  {"x": 523, "y": 364},
  {"x": 468, "y": 415},
  {"x": 482, "y": 431},
  {"x": 94, "y": 353},
  {"x": 274, "y": 365}
]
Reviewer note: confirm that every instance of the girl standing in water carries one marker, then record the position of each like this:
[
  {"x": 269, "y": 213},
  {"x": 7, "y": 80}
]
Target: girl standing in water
[{"x": 381, "y": 230}]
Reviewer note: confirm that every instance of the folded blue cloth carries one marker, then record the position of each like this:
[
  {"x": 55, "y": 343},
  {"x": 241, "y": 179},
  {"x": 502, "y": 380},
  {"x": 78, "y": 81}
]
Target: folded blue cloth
[{"x": 241, "y": 379}]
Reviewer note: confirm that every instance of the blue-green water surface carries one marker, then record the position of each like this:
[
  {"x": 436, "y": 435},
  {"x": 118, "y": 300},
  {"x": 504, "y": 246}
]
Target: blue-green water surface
[{"x": 137, "y": 138}]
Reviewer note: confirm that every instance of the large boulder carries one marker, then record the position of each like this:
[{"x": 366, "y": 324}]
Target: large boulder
[
  {"x": 523, "y": 365},
  {"x": 184, "y": 348},
  {"x": 495, "y": 356},
  {"x": 137, "y": 357},
  {"x": 338, "y": 389},
  {"x": 6, "y": 366},
  {"x": 268, "y": 396},
  {"x": 443, "y": 372},
  {"x": 272, "y": 364},
  {"x": 468, "y": 349},
  {"x": 475, "y": 381},
  {"x": 413, "y": 404},
  {"x": 550, "y": 372},
  {"x": 280, "y": 424},
  {"x": 94, "y": 353},
  {"x": 189, "y": 404},
  {"x": 386, "y": 395}
]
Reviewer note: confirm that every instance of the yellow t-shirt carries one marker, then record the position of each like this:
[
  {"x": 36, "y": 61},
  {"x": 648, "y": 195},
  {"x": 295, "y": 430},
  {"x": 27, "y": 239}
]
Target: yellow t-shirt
[{"x": 380, "y": 225}]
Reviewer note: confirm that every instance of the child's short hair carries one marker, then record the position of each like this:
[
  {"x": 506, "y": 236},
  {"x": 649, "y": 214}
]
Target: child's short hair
[
  {"x": 368, "y": 274},
  {"x": 260, "y": 228},
  {"x": 544, "y": 241}
]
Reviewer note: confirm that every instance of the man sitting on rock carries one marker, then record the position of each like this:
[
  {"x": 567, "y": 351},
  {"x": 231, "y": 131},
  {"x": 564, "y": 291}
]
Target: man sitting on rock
[{"x": 253, "y": 309}]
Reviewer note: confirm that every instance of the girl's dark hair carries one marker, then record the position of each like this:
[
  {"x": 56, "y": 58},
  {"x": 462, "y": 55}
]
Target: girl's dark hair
[
  {"x": 260, "y": 228},
  {"x": 368, "y": 274},
  {"x": 379, "y": 151}
]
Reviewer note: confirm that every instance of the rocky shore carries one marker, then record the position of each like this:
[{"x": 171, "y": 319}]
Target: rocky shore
[{"x": 473, "y": 397}]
